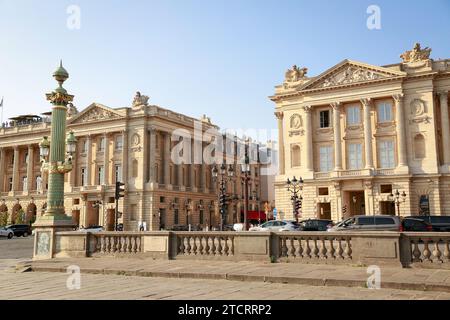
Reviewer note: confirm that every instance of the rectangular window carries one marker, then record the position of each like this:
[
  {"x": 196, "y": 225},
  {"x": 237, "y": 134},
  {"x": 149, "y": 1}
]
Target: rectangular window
[
  {"x": 175, "y": 216},
  {"x": 84, "y": 146},
  {"x": 101, "y": 175},
  {"x": 101, "y": 144},
  {"x": 119, "y": 143},
  {"x": 83, "y": 177},
  {"x": 353, "y": 115},
  {"x": 386, "y": 152},
  {"x": 118, "y": 173},
  {"x": 384, "y": 112},
  {"x": 325, "y": 119},
  {"x": 355, "y": 161},
  {"x": 201, "y": 217},
  {"x": 326, "y": 158}
]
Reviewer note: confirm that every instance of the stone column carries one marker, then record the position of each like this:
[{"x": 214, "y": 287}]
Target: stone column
[
  {"x": 106, "y": 160},
  {"x": 15, "y": 181},
  {"x": 2, "y": 169},
  {"x": 443, "y": 97},
  {"x": 30, "y": 167},
  {"x": 337, "y": 135},
  {"x": 309, "y": 140},
  {"x": 401, "y": 134},
  {"x": 89, "y": 160},
  {"x": 167, "y": 159},
  {"x": 152, "y": 161},
  {"x": 281, "y": 165},
  {"x": 124, "y": 156},
  {"x": 180, "y": 177},
  {"x": 367, "y": 104},
  {"x": 192, "y": 167}
]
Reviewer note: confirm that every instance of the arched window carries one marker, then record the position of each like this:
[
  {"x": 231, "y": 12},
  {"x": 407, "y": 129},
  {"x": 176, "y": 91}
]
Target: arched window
[
  {"x": 295, "y": 156},
  {"x": 419, "y": 147},
  {"x": 135, "y": 168}
]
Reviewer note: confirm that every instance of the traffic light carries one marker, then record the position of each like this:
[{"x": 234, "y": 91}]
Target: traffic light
[{"x": 120, "y": 190}]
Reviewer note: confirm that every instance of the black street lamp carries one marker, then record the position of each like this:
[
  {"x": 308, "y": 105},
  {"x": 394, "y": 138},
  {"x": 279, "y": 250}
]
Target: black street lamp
[
  {"x": 295, "y": 186},
  {"x": 398, "y": 198},
  {"x": 245, "y": 170},
  {"x": 222, "y": 176}
]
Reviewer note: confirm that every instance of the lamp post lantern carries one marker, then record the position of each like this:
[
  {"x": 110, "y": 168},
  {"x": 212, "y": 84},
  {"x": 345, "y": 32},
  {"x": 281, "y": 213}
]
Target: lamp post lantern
[
  {"x": 222, "y": 176},
  {"x": 245, "y": 170},
  {"x": 398, "y": 198},
  {"x": 56, "y": 159},
  {"x": 295, "y": 186}
]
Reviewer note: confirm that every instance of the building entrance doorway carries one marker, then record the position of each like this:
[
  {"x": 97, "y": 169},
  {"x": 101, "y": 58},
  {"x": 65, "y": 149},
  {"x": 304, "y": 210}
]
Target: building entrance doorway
[
  {"x": 324, "y": 211},
  {"x": 356, "y": 203},
  {"x": 76, "y": 217},
  {"x": 92, "y": 214},
  {"x": 110, "y": 219},
  {"x": 387, "y": 208}
]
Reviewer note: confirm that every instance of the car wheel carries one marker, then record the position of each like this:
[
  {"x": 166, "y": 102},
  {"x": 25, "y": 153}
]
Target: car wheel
[
  {"x": 10, "y": 236},
  {"x": 25, "y": 234}
]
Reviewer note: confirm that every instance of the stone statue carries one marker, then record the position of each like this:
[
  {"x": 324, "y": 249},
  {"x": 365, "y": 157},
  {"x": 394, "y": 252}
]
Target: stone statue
[
  {"x": 416, "y": 54},
  {"x": 71, "y": 110},
  {"x": 295, "y": 74},
  {"x": 140, "y": 100},
  {"x": 39, "y": 184}
]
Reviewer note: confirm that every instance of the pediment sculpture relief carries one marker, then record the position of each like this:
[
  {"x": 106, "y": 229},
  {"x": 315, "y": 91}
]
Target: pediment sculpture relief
[
  {"x": 351, "y": 74},
  {"x": 416, "y": 54},
  {"x": 97, "y": 114}
]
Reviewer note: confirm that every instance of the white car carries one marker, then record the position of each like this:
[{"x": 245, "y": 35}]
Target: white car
[
  {"x": 238, "y": 227},
  {"x": 276, "y": 225},
  {"x": 4, "y": 232}
]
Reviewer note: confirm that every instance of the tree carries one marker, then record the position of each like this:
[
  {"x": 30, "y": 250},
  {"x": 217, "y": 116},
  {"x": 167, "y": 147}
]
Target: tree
[
  {"x": 20, "y": 218},
  {"x": 3, "y": 218}
]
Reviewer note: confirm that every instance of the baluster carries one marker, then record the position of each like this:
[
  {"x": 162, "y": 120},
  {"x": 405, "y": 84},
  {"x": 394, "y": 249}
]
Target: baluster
[
  {"x": 180, "y": 245},
  {"x": 348, "y": 249},
  {"x": 308, "y": 249},
  {"x": 102, "y": 244},
  {"x": 231, "y": 252},
  {"x": 300, "y": 248},
  {"x": 323, "y": 249},
  {"x": 206, "y": 247},
  {"x": 292, "y": 252},
  {"x": 109, "y": 244},
  {"x": 416, "y": 252},
  {"x": 446, "y": 251},
  {"x": 225, "y": 249},
  {"x": 316, "y": 249},
  {"x": 426, "y": 251},
  {"x": 114, "y": 244},
  {"x": 213, "y": 248},
  {"x": 332, "y": 251},
  {"x": 437, "y": 252},
  {"x": 200, "y": 246},
  {"x": 123, "y": 240},
  {"x": 219, "y": 246},
  {"x": 194, "y": 245},
  {"x": 340, "y": 250},
  {"x": 188, "y": 245},
  {"x": 284, "y": 249}
]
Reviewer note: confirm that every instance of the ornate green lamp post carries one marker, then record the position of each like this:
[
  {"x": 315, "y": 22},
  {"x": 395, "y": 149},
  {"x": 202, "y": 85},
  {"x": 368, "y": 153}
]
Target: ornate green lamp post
[{"x": 56, "y": 159}]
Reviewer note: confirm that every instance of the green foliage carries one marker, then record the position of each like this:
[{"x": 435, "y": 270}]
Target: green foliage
[
  {"x": 20, "y": 218},
  {"x": 3, "y": 218},
  {"x": 273, "y": 259}
]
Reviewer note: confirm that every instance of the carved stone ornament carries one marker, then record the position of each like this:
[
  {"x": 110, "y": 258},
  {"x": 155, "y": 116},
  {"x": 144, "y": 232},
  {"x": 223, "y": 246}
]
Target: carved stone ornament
[
  {"x": 279, "y": 115},
  {"x": 71, "y": 110},
  {"x": 351, "y": 74},
  {"x": 300, "y": 132},
  {"x": 136, "y": 139},
  {"x": 295, "y": 74},
  {"x": 418, "y": 107},
  {"x": 416, "y": 54},
  {"x": 43, "y": 244},
  {"x": 97, "y": 114},
  {"x": 296, "y": 121},
  {"x": 140, "y": 100}
]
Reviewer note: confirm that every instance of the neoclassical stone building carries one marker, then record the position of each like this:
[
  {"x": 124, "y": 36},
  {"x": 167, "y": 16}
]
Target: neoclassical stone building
[
  {"x": 129, "y": 144},
  {"x": 357, "y": 133}
]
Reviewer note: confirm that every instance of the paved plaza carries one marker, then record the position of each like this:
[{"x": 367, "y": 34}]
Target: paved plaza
[{"x": 120, "y": 278}]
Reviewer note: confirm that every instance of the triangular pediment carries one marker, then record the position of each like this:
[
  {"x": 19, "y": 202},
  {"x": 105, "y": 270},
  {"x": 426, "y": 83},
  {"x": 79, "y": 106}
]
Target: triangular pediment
[
  {"x": 350, "y": 72},
  {"x": 95, "y": 112}
]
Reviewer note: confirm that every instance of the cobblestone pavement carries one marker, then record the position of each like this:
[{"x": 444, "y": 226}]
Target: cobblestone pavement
[
  {"x": 42, "y": 285},
  {"x": 15, "y": 250}
]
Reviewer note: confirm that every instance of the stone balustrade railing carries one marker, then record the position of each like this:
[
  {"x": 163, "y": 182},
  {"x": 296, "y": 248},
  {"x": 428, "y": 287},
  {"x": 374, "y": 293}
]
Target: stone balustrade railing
[{"x": 407, "y": 249}]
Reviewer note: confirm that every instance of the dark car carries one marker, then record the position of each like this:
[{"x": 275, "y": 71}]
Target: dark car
[
  {"x": 417, "y": 225},
  {"x": 315, "y": 225},
  {"x": 439, "y": 223},
  {"x": 20, "y": 229},
  {"x": 179, "y": 227}
]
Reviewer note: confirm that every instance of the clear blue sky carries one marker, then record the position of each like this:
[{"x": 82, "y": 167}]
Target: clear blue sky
[{"x": 217, "y": 57}]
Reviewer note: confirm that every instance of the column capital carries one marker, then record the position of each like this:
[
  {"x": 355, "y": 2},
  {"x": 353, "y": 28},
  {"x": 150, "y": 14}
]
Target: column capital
[
  {"x": 366, "y": 102},
  {"x": 30, "y": 147},
  {"x": 398, "y": 98},
  {"x": 336, "y": 105},
  {"x": 279, "y": 115},
  {"x": 307, "y": 109},
  {"x": 442, "y": 93}
]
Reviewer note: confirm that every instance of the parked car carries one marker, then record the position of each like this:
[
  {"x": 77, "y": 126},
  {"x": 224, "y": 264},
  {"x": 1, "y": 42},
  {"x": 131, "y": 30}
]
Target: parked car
[
  {"x": 20, "y": 229},
  {"x": 5, "y": 232},
  {"x": 92, "y": 229},
  {"x": 413, "y": 224},
  {"x": 277, "y": 225},
  {"x": 178, "y": 227},
  {"x": 369, "y": 223},
  {"x": 438, "y": 223},
  {"x": 315, "y": 225}
]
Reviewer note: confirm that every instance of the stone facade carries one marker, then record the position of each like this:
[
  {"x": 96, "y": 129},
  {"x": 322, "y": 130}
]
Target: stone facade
[
  {"x": 357, "y": 133},
  {"x": 129, "y": 144}
]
